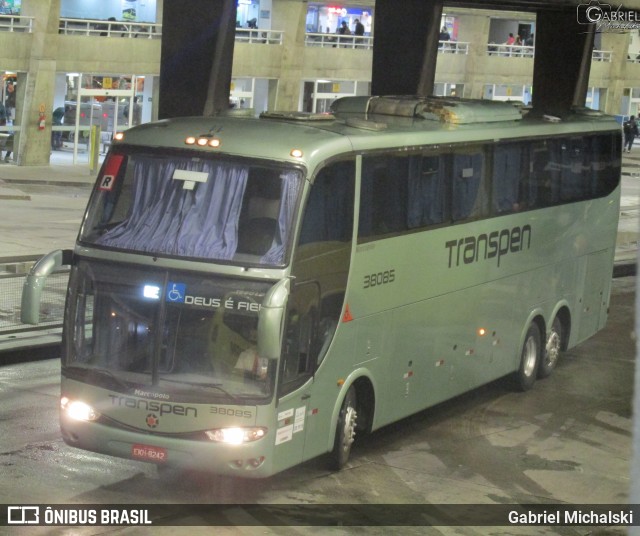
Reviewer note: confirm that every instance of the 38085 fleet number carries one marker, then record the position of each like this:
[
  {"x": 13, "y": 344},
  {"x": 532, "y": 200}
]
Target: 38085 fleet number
[{"x": 380, "y": 278}]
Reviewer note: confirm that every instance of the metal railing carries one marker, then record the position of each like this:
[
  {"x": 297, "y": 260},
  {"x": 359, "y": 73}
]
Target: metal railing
[
  {"x": 12, "y": 275},
  {"x": 361, "y": 42},
  {"x": 602, "y": 55},
  {"x": 265, "y": 37},
  {"x": 510, "y": 51},
  {"x": 453, "y": 47},
  {"x": 107, "y": 28},
  {"x": 16, "y": 23}
]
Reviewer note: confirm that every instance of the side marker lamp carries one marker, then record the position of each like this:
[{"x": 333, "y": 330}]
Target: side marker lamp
[
  {"x": 118, "y": 136},
  {"x": 236, "y": 436},
  {"x": 78, "y": 410},
  {"x": 296, "y": 153}
]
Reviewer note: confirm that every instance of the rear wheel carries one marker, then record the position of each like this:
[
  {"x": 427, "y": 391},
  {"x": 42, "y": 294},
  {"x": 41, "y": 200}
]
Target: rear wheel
[
  {"x": 345, "y": 431},
  {"x": 552, "y": 349},
  {"x": 529, "y": 359}
]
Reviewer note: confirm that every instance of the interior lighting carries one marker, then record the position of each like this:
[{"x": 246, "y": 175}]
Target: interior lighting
[
  {"x": 296, "y": 153},
  {"x": 236, "y": 436}
]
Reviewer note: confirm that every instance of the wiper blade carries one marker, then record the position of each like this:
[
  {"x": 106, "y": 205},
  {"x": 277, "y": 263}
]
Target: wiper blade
[
  {"x": 217, "y": 386},
  {"x": 89, "y": 373}
]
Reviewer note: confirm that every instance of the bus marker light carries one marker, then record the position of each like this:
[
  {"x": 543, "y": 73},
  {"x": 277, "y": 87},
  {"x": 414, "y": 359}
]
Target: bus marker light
[
  {"x": 482, "y": 332},
  {"x": 296, "y": 153},
  {"x": 214, "y": 142},
  {"x": 118, "y": 136},
  {"x": 202, "y": 141},
  {"x": 340, "y": 382},
  {"x": 190, "y": 140}
]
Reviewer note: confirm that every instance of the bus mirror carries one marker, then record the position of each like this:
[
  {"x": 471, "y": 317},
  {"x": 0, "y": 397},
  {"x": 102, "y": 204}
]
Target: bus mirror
[
  {"x": 35, "y": 281},
  {"x": 271, "y": 320}
]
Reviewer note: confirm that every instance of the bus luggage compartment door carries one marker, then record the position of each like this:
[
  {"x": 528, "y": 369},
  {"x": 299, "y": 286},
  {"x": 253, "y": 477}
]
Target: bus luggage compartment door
[{"x": 594, "y": 294}]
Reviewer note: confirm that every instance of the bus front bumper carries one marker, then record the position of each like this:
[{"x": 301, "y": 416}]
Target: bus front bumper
[{"x": 251, "y": 460}]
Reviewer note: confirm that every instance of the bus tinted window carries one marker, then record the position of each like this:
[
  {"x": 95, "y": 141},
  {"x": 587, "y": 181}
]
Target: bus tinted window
[
  {"x": 329, "y": 212},
  {"x": 469, "y": 199},
  {"x": 383, "y": 196},
  {"x": 427, "y": 191},
  {"x": 510, "y": 185},
  {"x": 402, "y": 193}
]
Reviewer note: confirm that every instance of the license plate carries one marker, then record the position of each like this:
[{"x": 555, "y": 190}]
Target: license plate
[{"x": 148, "y": 453}]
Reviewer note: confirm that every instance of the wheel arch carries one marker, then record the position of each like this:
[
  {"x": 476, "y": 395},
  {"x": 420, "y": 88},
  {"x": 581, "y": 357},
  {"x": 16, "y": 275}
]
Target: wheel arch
[
  {"x": 535, "y": 317},
  {"x": 563, "y": 313}
]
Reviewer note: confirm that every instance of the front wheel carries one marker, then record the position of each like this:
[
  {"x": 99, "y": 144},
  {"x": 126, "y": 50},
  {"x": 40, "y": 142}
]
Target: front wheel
[
  {"x": 345, "y": 431},
  {"x": 552, "y": 349},
  {"x": 529, "y": 359}
]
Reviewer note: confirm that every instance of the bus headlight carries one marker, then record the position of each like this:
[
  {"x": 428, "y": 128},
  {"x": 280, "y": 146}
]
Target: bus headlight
[
  {"x": 78, "y": 410},
  {"x": 236, "y": 436}
]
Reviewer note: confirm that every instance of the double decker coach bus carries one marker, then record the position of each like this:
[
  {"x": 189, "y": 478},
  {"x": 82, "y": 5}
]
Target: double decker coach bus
[{"x": 249, "y": 293}]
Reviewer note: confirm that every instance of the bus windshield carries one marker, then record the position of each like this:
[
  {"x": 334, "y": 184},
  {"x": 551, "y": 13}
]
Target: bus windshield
[
  {"x": 166, "y": 331},
  {"x": 186, "y": 204}
]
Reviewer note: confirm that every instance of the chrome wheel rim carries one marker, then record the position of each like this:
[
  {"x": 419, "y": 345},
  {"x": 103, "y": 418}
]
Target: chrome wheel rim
[
  {"x": 529, "y": 357},
  {"x": 552, "y": 348},
  {"x": 349, "y": 429}
]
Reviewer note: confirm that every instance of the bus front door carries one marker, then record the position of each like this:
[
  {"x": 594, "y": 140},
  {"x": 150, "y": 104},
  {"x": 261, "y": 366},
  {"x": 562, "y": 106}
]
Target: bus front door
[{"x": 295, "y": 375}]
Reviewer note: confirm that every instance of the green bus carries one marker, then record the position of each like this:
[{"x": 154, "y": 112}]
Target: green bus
[{"x": 250, "y": 293}]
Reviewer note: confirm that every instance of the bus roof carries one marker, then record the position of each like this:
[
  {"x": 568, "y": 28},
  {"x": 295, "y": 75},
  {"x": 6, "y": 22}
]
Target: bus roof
[{"x": 361, "y": 124}]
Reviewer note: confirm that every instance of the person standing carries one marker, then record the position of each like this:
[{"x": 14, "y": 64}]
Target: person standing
[{"x": 630, "y": 129}]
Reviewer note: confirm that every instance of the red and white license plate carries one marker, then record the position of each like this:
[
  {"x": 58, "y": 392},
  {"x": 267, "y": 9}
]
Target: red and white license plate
[{"x": 148, "y": 453}]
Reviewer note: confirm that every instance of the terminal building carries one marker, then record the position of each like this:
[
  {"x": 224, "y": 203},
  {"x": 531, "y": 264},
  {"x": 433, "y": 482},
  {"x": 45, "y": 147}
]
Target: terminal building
[{"x": 68, "y": 65}]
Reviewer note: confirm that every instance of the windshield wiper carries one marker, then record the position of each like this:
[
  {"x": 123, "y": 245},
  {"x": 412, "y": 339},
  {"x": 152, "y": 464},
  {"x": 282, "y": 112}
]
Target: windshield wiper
[
  {"x": 89, "y": 373},
  {"x": 217, "y": 386}
]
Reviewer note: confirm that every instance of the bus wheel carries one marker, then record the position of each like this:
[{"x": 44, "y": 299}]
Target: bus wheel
[
  {"x": 529, "y": 359},
  {"x": 552, "y": 349},
  {"x": 345, "y": 432}
]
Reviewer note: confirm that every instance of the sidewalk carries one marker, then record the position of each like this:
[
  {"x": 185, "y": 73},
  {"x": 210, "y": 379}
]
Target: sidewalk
[{"x": 53, "y": 198}]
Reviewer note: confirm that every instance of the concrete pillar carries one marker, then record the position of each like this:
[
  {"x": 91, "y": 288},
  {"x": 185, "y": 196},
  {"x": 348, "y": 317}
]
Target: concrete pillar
[
  {"x": 290, "y": 17},
  {"x": 33, "y": 146},
  {"x": 618, "y": 44},
  {"x": 474, "y": 29}
]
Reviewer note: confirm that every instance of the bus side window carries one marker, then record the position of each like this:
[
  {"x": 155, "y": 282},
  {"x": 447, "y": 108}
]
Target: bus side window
[
  {"x": 469, "y": 199},
  {"x": 383, "y": 196},
  {"x": 426, "y": 200},
  {"x": 320, "y": 271},
  {"x": 605, "y": 173},
  {"x": 510, "y": 178},
  {"x": 543, "y": 169},
  {"x": 574, "y": 161}
]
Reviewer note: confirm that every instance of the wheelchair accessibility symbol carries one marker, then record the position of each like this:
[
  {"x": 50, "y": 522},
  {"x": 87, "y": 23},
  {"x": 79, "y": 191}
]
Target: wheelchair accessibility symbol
[{"x": 176, "y": 292}]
